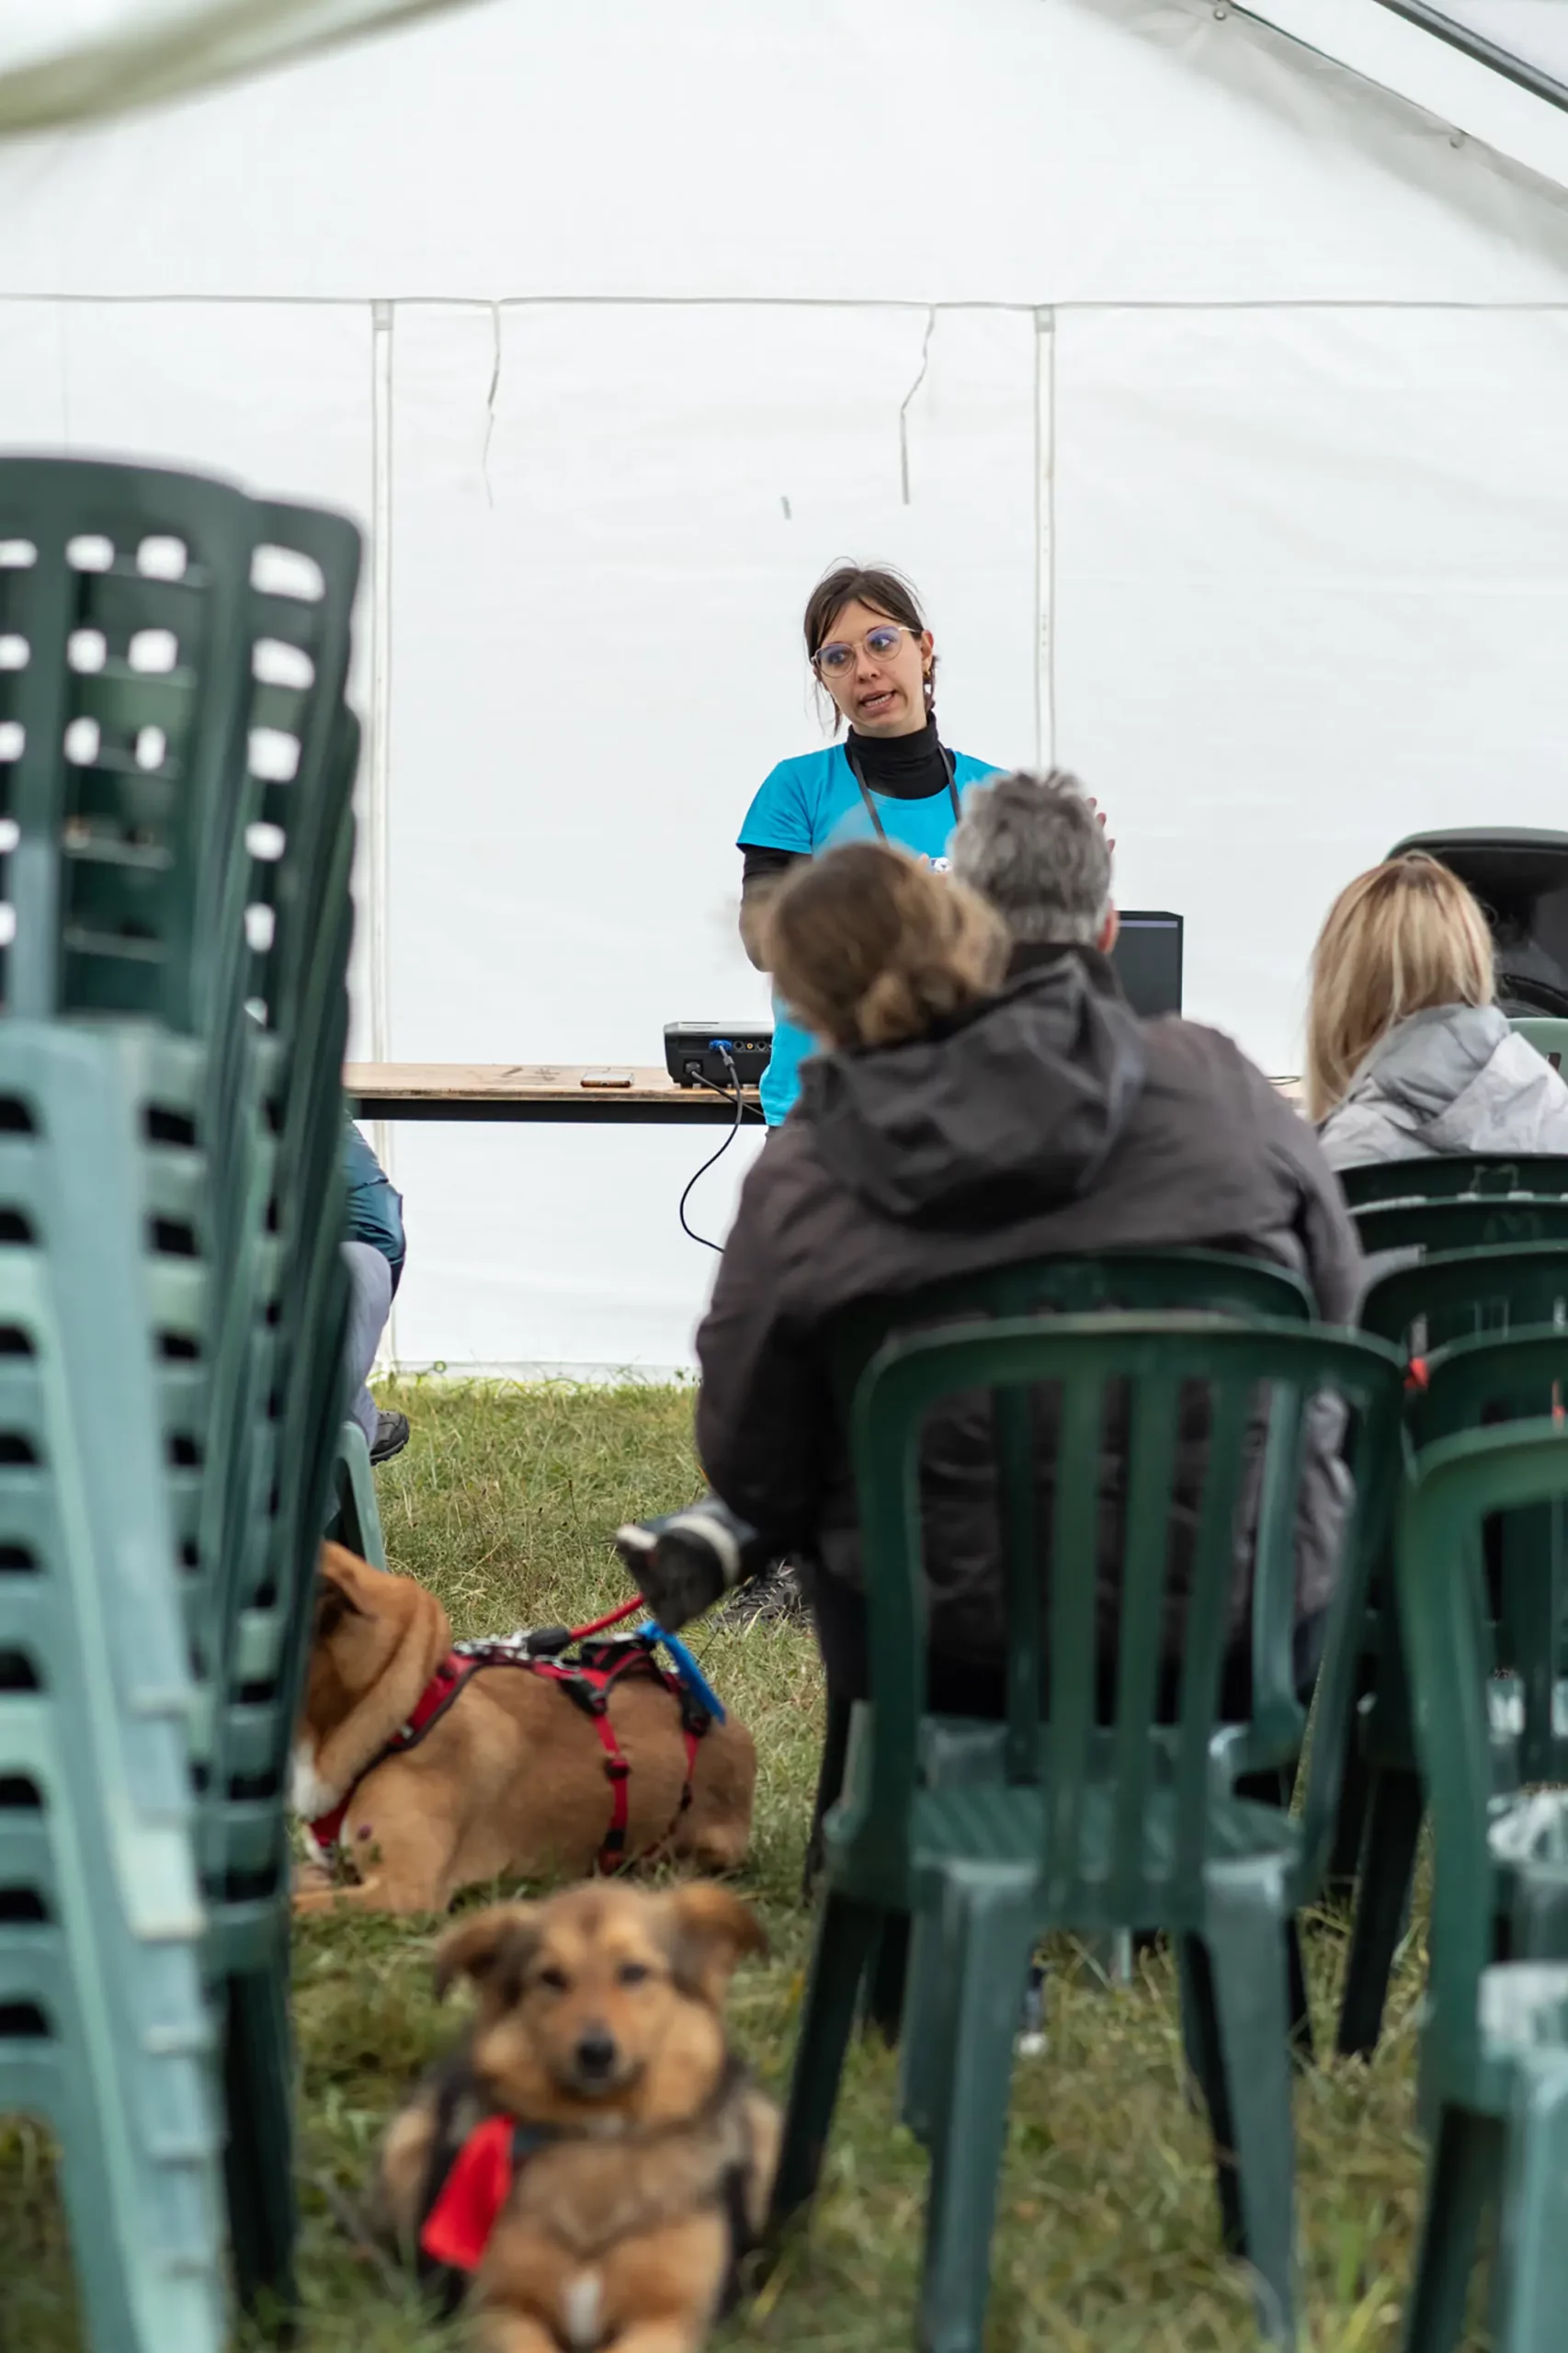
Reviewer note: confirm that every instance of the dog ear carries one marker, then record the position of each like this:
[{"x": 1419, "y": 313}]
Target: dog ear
[
  {"x": 340, "y": 1588},
  {"x": 712, "y": 1931},
  {"x": 479, "y": 1946}
]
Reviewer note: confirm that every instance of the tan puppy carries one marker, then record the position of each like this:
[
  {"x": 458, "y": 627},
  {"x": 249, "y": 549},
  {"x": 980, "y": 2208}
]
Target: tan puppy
[
  {"x": 510, "y": 1780},
  {"x": 638, "y": 2155}
]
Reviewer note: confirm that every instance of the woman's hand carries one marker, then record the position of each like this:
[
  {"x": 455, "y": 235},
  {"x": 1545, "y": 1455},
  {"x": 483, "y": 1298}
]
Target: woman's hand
[{"x": 1100, "y": 812}]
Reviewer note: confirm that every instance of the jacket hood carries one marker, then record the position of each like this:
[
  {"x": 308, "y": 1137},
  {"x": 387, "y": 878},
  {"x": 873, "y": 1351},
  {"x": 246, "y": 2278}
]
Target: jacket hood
[
  {"x": 1458, "y": 1079},
  {"x": 1010, "y": 1107}
]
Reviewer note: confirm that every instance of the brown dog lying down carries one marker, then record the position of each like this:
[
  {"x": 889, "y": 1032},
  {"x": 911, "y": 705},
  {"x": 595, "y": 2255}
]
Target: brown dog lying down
[
  {"x": 594, "y": 2160},
  {"x": 511, "y": 1776}
]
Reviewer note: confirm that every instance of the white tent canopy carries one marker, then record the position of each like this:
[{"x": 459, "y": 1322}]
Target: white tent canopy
[{"x": 1236, "y": 478}]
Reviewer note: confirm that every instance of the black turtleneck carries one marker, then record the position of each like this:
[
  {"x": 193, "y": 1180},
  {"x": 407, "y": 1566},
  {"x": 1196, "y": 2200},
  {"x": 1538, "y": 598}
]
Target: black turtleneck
[
  {"x": 905, "y": 767},
  {"x": 899, "y": 768},
  {"x": 1034, "y": 955}
]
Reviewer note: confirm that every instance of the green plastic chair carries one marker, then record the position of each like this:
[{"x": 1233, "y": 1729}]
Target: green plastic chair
[
  {"x": 1539, "y": 1176},
  {"x": 1206, "y": 1280},
  {"x": 1467, "y": 1202},
  {"x": 356, "y": 1521},
  {"x": 1095, "y": 1826},
  {"x": 132, "y": 595},
  {"x": 1448, "y": 1297},
  {"x": 1486, "y": 1380},
  {"x": 189, "y": 866},
  {"x": 1548, "y": 1037},
  {"x": 1494, "y": 2041},
  {"x": 105, "y": 2030}
]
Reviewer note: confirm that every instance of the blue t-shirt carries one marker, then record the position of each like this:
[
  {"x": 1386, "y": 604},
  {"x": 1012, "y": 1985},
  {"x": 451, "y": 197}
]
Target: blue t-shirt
[{"x": 813, "y": 803}]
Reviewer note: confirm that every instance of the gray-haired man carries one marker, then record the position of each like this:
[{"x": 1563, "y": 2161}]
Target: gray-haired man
[
  {"x": 1034, "y": 846},
  {"x": 1207, "y": 1154}
]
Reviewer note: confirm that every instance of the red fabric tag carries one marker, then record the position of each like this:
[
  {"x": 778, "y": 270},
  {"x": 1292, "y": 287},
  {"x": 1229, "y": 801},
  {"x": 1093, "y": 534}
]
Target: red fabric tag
[
  {"x": 1415, "y": 1373},
  {"x": 457, "y": 2228}
]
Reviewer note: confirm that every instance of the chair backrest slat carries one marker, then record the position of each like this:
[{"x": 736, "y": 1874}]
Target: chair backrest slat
[
  {"x": 1018, "y": 1502},
  {"x": 1483, "y": 1223},
  {"x": 1220, "y": 1532},
  {"x": 1155, "y": 1406},
  {"x": 1072, "y": 1612},
  {"x": 1535, "y": 1175}
]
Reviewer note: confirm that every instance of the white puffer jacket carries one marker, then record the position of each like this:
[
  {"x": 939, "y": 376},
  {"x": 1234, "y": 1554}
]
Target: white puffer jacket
[{"x": 1453, "y": 1079}]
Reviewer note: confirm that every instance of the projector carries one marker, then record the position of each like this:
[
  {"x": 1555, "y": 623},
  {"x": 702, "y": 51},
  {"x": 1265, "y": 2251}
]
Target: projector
[{"x": 695, "y": 1051}]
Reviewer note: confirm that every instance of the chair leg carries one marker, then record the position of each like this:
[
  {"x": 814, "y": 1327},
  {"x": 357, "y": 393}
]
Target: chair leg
[
  {"x": 847, "y": 1933},
  {"x": 889, "y": 1978},
  {"x": 1350, "y": 1820},
  {"x": 919, "y": 2057},
  {"x": 1200, "y": 2048},
  {"x": 1388, "y": 1866},
  {"x": 1463, "y": 2173},
  {"x": 830, "y": 1782},
  {"x": 258, "y": 2086},
  {"x": 355, "y": 1518},
  {"x": 987, "y": 1923},
  {"x": 103, "y": 2240},
  {"x": 1532, "y": 2262},
  {"x": 1244, "y": 1931}
]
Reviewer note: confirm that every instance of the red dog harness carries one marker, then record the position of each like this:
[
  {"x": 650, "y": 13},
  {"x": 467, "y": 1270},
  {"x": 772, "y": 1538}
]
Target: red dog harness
[{"x": 588, "y": 1676}]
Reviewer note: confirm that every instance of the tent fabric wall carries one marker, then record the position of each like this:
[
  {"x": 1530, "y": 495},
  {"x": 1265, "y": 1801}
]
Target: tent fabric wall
[{"x": 1211, "y": 397}]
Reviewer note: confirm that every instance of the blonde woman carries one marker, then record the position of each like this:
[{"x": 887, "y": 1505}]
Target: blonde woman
[{"x": 1408, "y": 1055}]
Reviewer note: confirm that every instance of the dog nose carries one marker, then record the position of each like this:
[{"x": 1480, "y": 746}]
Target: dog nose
[{"x": 595, "y": 2055}]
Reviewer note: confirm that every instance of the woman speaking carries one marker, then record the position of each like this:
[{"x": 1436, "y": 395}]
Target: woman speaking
[{"x": 892, "y": 778}]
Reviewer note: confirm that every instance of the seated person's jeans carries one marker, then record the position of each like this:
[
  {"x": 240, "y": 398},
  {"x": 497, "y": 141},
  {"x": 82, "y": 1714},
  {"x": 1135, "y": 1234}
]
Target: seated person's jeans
[{"x": 370, "y": 1304}]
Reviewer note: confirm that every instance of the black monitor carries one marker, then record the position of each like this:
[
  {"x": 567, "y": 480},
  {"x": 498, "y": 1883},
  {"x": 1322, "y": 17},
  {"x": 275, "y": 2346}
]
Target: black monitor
[
  {"x": 1147, "y": 956},
  {"x": 1521, "y": 880}
]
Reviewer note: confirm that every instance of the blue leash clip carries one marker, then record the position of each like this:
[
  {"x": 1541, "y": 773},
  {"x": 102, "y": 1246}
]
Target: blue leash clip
[{"x": 685, "y": 1667}]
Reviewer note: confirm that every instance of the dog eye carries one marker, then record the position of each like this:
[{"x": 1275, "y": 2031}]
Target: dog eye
[
  {"x": 633, "y": 1972},
  {"x": 555, "y": 1979}
]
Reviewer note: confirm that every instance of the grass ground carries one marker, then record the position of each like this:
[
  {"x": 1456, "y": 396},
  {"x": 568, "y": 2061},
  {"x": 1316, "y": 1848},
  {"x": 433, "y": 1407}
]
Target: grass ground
[{"x": 1107, "y": 2238}]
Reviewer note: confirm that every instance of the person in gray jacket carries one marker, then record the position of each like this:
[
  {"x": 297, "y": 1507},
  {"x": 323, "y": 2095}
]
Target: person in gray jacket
[{"x": 1408, "y": 1057}]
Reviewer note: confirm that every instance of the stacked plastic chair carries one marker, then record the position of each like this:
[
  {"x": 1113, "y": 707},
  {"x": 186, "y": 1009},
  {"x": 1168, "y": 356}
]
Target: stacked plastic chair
[
  {"x": 176, "y": 766},
  {"x": 103, "y": 2027}
]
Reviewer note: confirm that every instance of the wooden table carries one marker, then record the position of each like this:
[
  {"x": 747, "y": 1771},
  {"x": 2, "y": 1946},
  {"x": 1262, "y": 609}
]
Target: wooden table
[
  {"x": 554, "y": 1092},
  {"x": 537, "y": 1091}
]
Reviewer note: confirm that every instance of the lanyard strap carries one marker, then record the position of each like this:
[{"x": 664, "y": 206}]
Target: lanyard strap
[{"x": 872, "y": 811}]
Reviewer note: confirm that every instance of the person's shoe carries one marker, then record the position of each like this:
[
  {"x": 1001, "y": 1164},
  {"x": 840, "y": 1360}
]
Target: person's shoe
[
  {"x": 391, "y": 1435},
  {"x": 771, "y": 1597}
]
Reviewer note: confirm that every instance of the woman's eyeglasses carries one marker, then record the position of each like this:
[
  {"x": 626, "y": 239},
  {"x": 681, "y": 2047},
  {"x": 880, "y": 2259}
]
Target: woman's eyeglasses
[{"x": 881, "y": 643}]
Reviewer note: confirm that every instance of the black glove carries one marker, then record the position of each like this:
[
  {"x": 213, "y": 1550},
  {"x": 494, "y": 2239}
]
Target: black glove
[{"x": 688, "y": 1560}]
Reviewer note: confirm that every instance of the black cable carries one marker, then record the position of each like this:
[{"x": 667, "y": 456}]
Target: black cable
[
  {"x": 755, "y": 1108},
  {"x": 714, "y": 1157}
]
